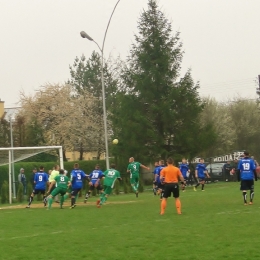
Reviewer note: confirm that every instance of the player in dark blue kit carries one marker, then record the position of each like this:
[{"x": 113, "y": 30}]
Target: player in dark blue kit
[
  {"x": 40, "y": 180},
  {"x": 94, "y": 181},
  {"x": 160, "y": 184},
  {"x": 200, "y": 174},
  {"x": 77, "y": 177},
  {"x": 247, "y": 174},
  {"x": 184, "y": 168},
  {"x": 156, "y": 165}
]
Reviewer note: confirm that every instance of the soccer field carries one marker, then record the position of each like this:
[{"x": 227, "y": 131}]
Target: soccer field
[{"x": 214, "y": 225}]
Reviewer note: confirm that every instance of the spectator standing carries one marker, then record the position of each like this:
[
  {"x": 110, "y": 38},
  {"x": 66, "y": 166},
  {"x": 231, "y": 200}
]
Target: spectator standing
[
  {"x": 32, "y": 177},
  {"x": 22, "y": 179},
  {"x": 227, "y": 168}
]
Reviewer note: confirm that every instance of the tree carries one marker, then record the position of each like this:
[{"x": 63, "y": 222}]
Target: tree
[
  {"x": 57, "y": 116},
  {"x": 4, "y": 133},
  {"x": 86, "y": 76},
  {"x": 218, "y": 115},
  {"x": 246, "y": 120},
  {"x": 157, "y": 112}
]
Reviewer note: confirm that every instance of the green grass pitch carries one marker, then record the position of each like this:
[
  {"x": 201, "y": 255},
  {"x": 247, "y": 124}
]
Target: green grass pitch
[{"x": 214, "y": 225}]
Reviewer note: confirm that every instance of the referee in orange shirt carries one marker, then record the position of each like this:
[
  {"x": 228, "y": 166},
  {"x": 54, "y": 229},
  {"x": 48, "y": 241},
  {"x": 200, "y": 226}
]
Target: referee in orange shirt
[{"x": 171, "y": 175}]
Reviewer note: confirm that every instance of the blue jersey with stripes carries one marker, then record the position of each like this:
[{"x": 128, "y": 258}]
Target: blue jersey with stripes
[
  {"x": 201, "y": 168},
  {"x": 184, "y": 167},
  {"x": 95, "y": 175},
  {"x": 158, "y": 171},
  {"x": 40, "y": 178},
  {"x": 77, "y": 177},
  {"x": 246, "y": 167}
]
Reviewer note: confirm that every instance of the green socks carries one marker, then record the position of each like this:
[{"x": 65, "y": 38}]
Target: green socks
[{"x": 50, "y": 200}]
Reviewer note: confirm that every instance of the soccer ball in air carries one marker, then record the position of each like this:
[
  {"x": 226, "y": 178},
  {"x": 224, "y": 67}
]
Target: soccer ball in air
[{"x": 115, "y": 141}]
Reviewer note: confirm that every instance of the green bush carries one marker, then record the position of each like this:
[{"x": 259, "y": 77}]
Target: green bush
[
  {"x": 117, "y": 187},
  {"x": 4, "y": 192},
  {"x": 29, "y": 190},
  {"x": 125, "y": 186},
  {"x": 39, "y": 197},
  {"x": 20, "y": 195},
  {"x": 94, "y": 192},
  {"x": 141, "y": 185}
]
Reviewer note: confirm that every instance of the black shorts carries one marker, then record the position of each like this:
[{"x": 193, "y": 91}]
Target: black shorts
[
  {"x": 39, "y": 191},
  {"x": 99, "y": 187},
  {"x": 201, "y": 179},
  {"x": 160, "y": 186},
  {"x": 247, "y": 185},
  {"x": 74, "y": 192},
  {"x": 171, "y": 188}
]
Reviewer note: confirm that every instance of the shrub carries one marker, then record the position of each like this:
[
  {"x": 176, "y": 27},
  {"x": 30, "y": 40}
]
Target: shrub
[
  {"x": 117, "y": 186},
  {"x": 29, "y": 190},
  {"x": 4, "y": 193},
  {"x": 20, "y": 195},
  {"x": 141, "y": 185},
  {"x": 125, "y": 186}
]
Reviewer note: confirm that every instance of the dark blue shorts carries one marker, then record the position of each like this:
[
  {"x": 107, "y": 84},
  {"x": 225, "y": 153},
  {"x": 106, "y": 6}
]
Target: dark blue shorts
[
  {"x": 36, "y": 191},
  {"x": 99, "y": 187},
  {"x": 247, "y": 185},
  {"x": 74, "y": 192}
]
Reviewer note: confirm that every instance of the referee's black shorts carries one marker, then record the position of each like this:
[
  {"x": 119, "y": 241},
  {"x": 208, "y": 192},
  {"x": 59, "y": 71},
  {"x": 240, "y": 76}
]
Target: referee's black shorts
[{"x": 171, "y": 188}]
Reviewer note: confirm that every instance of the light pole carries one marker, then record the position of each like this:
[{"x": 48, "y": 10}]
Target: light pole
[
  {"x": 12, "y": 156},
  {"x": 85, "y": 35}
]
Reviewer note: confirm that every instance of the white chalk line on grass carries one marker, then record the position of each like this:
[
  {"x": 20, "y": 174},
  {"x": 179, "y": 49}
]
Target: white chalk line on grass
[
  {"x": 236, "y": 212},
  {"x": 30, "y": 236}
]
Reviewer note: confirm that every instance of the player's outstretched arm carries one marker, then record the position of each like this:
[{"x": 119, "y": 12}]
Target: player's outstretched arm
[{"x": 143, "y": 166}]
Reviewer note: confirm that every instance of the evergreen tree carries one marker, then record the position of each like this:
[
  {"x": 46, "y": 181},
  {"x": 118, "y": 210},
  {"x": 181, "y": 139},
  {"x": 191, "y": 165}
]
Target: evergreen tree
[
  {"x": 86, "y": 76},
  {"x": 157, "y": 112}
]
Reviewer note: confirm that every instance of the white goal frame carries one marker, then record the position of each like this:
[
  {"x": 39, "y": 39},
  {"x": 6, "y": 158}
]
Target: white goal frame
[{"x": 10, "y": 149}]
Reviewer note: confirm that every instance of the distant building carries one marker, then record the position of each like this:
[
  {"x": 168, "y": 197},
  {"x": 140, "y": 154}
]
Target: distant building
[
  {"x": 2, "y": 109},
  {"x": 7, "y": 113},
  {"x": 74, "y": 156}
]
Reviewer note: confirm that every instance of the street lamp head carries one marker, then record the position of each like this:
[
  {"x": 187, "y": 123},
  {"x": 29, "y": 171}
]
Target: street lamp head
[{"x": 85, "y": 35}]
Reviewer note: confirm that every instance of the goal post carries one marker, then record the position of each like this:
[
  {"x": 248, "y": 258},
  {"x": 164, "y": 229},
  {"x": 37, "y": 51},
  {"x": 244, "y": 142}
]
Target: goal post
[{"x": 11, "y": 155}]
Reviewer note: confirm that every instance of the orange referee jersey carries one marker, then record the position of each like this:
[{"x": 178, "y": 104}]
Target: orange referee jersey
[{"x": 171, "y": 174}]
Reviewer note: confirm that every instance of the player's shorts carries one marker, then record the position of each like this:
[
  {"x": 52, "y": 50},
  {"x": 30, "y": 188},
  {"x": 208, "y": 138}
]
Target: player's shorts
[
  {"x": 160, "y": 186},
  {"x": 171, "y": 188},
  {"x": 107, "y": 189},
  {"x": 36, "y": 191},
  {"x": 58, "y": 190},
  {"x": 74, "y": 192},
  {"x": 247, "y": 185},
  {"x": 201, "y": 179},
  {"x": 99, "y": 187},
  {"x": 134, "y": 179}
]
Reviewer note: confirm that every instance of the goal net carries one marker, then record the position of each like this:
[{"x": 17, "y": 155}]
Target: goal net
[{"x": 11, "y": 155}]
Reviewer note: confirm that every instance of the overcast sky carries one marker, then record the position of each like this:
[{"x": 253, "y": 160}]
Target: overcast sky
[{"x": 40, "y": 39}]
